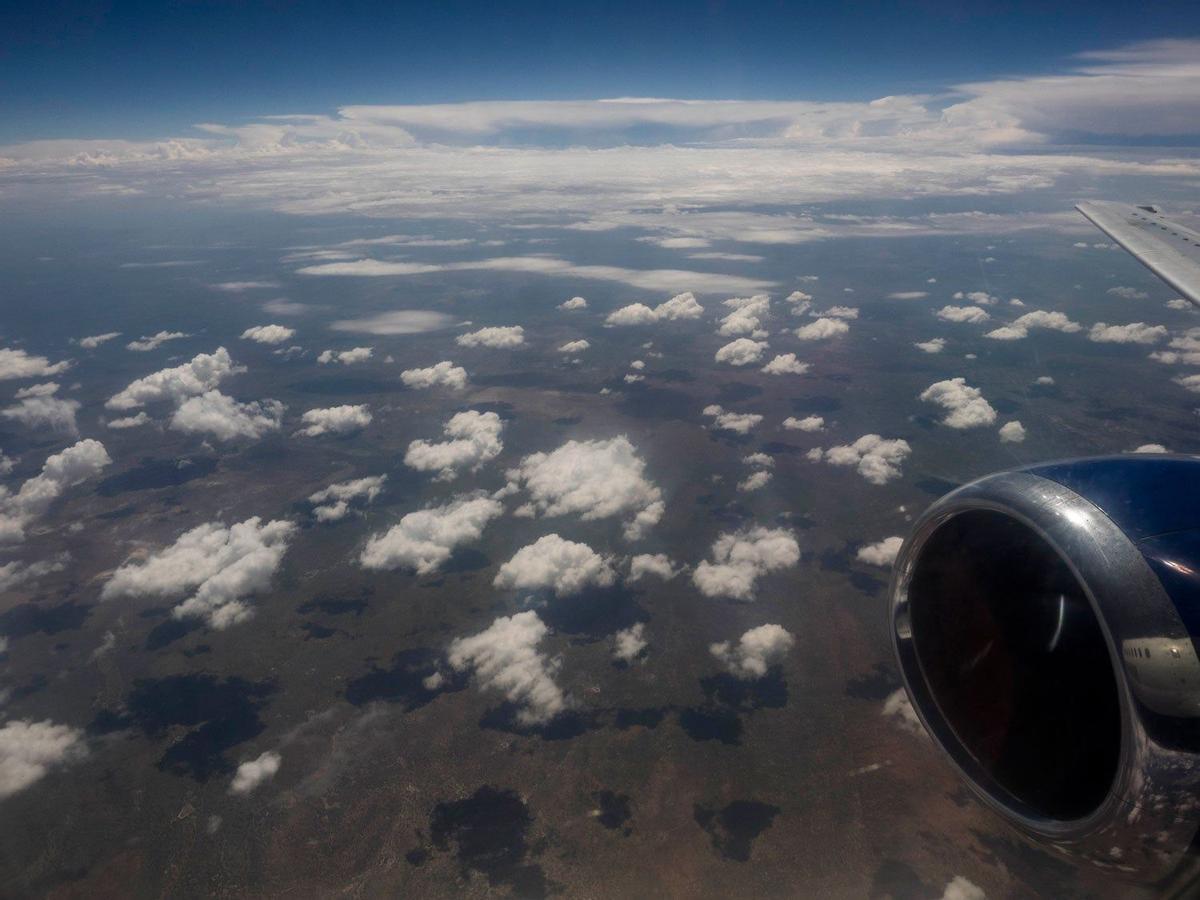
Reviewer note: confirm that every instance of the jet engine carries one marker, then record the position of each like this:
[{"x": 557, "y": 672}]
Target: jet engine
[{"x": 1044, "y": 621}]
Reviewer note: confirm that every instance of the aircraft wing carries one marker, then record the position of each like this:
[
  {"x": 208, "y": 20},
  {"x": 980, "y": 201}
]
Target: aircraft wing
[{"x": 1169, "y": 250}]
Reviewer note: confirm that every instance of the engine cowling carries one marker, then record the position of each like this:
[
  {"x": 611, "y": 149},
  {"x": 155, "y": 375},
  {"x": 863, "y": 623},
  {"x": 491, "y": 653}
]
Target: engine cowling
[{"x": 1044, "y": 621}]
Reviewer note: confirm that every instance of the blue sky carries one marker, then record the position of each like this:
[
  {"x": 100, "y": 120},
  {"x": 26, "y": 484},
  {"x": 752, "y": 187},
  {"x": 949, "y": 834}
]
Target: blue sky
[{"x": 144, "y": 69}]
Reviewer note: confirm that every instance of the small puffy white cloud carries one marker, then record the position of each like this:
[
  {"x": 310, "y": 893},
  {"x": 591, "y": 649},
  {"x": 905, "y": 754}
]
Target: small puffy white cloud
[
  {"x": 19, "y": 364},
  {"x": 218, "y": 565},
  {"x": 739, "y": 423},
  {"x": 591, "y": 479},
  {"x": 335, "y": 420},
  {"x": 574, "y": 346},
  {"x": 755, "y": 651},
  {"x": 629, "y": 643},
  {"x": 981, "y": 298},
  {"x": 1044, "y": 380},
  {"x": 1016, "y": 301},
  {"x": 786, "y": 364},
  {"x": 637, "y": 364},
  {"x": 841, "y": 312},
  {"x": 203, "y": 373},
  {"x": 444, "y": 373},
  {"x": 808, "y": 423},
  {"x": 741, "y": 352},
  {"x": 551, "y": 562},
  {"x": 1178, "y": 303},
  {"x": 153, "y": 341},
  {"x": 424, "y": 540},
  {"x": 130, "y": 421},
  {"x": 1133, "y": 333},
  {"x": 821, "y": 329},
  {"x": 345, "y": 357},
  {"x": 473, "y": 438},
  {"x": 333, "y": 503},
  {"x": 214, "y": 413},
  {"x": 754, "y": 482},
  {"x": 798, "y": 297},
  {"x": 1190, "y": 382},
  {"x": 29, "y": 750},
  {"x": 46, "y": 389},
  {"x": 634, "y": 379},
  {"x": 498, "y": 337},
  {"x": 908, "y": 295},
  {"x": 1039, "y": 318},
  {"x": 44, "y": 411},
  {"x": 33, "y": 499},
  {"x": 882, "y": 553},
  {"x": 269, "y": 334},
  {"x": 657, "y": 564},
  {"x": 1012, "y": 432},
  {"x": 255, "y": 772},
  {"x": 1127, "y": 293},
  {"x": 1150, "y": 448},
  {"x": 573, "y": 303},
  {"x": 899, "y": 709},
  {"x": 934, "y": 345},
  {"x": 16, "y": 573},
  {"x": 971, "y": 314},
  {"x": 740, "y": 558},
  {"x": 681, "y": 306},
  {"x": 505, "y": 657},
  {"x": 1007, "y": 333},
  {"x": 93, "y": 341},
  {"x": 747, "y": 315},
  {"x": 965, "y": 405},
  {"x": 764, "y": 460},
  {"x": 877, "y": 459}
]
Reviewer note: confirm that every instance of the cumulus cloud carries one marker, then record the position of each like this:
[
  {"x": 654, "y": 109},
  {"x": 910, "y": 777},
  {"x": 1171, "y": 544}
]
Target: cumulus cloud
[
  {"x": 424, "y": 540},
  {"x": 681, "y": 306},
  {"x": 29, "y": 750},
  {"x": 877, "y": 459},
  {"x": 1020, "y": 327},
  {"x": 1190, "y": 382},
  {"x": 754, "y": 482},
  {"x": 657, "y": 564},
  {"x": 746, "y": 316},
  {"x": 335, "y": 420},
  {"x": 1128, "y": 293},
  {"x": 345, "y": 357},
  {"x": 15, "y": 573},
  {"x": 269, "y": 334},
  {"x": 971, "y": 314},
  {"x": 444, "y": 373},
  {"x": 551, "y": 562},
  {"x": 965, "y": 406},
  {"x": 93, "y": 341},
  {"x": 741, "y": 352},
  {"x": 935, "y": 345},
  {"x": 1150, "y": 448},
  {"x": 42, "y": 410},
  {"x": 203, "y": 373},
  {"x": 821, "y": 329},
  {"x": 333, "y": 503},
  {"x": 982, "y": 298},
  {"x": 961, "y": 888},
  {"x": 591, "y": 479},
  {"x": 222, "y": 417},
  {"x": 740, "y": 558},
  {"x": 573, "y": 303},
  {"x": 755, "y": 652},
  {"x": 130, "y": 421},
  {"x": 153, "y": 341},
  {"x": 505, "y": 658},
  {"x": 808, "y": 423},
  {"x": 786, "y": 364},
  {"x": 1012, "y": 432},
  {"x": 255, "y": 772},
  {"x": 19, "y": 364},
  {"x": 218, "y": 566},
  {"x": 907, "y": 295},
  {"x": 899, "y": 709},
  {"x": 739, "y": 423},
  {"x": 501, "y": 337},
  {"x": 882, "y": 553},
  {"x": 1133, "y": 333},
  {"x": 840, "y": 312},
  {"x": 473, "y": 438},
  {"x": 33, "y": 499},
  {"x": 630, "y": 643},
  {"x": 574, "y": 346},
  {"x": 1178, "y": 303}
]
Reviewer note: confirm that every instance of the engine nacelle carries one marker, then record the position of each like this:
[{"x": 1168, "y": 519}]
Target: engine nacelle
[{"x": 1044, "y": 623}]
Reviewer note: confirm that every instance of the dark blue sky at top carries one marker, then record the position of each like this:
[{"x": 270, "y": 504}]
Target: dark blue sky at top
[{"x": 151, "y": 69}]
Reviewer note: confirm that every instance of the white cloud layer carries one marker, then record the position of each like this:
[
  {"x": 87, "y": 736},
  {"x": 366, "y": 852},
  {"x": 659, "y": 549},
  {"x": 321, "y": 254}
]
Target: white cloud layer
[
  {"x": 593, "y": 480},
  {"x": 755, "y": 651},
  {"x": 219, "y": 566},
  {"x": 505, "y": 658},
  {"x": 740, "y": 558},
  {"x": 424, "y": 540},
  {"x": 551, "y": 562},
  {"x": 473, "y": 438}
]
